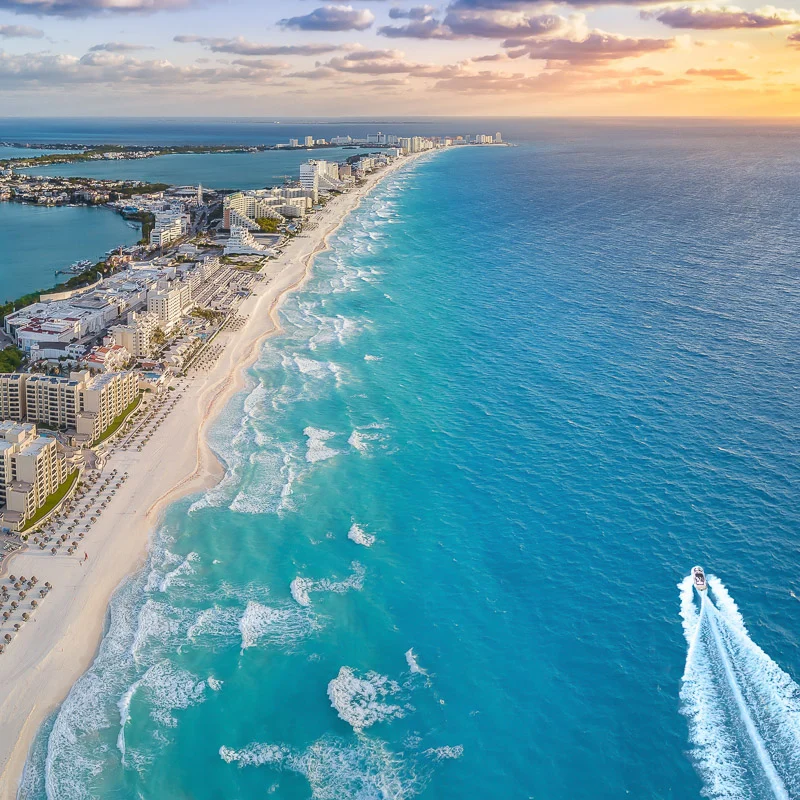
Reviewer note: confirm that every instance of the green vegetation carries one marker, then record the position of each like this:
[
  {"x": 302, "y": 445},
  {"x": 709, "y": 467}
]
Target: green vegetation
[
  {"x": 207, "y": 314},
  {"x": 93, "y": 153},
  {"x": 159, "y": 337},
  {"x": 268, "y": 225},
  {"x": 138, "y": 188},
  {"x": 10, "y": 359},
  {"x": 148, "y": 221},
  {"x": 118, "y": 420},
  {"x": 53, "y": 500}
]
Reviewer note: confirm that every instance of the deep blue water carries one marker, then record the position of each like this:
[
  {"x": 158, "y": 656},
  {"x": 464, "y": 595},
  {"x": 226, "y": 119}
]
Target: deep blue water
[{"x": 547, "y": 380}]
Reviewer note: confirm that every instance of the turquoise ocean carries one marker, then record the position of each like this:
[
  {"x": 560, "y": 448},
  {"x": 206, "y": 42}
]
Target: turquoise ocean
[{"x": 524, "y": 392}]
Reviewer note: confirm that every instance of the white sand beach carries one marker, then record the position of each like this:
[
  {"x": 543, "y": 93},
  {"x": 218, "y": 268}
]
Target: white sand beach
[{"x": 52, "y": 650}]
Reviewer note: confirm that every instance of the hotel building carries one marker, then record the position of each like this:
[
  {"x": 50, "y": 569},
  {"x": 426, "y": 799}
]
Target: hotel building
[{"x": 32, "y": 467}]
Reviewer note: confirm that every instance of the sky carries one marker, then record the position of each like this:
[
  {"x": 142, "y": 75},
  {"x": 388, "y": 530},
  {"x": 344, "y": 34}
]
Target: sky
[{"x": 392, "y": 57}]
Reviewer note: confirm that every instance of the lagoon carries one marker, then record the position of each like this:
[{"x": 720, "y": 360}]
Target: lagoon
[
  {"x": 214, "y": 170},
  {"x": 36, "y": 241}
]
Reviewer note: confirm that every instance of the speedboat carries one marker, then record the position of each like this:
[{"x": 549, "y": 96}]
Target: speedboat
[{"x": 699, "y": 579}]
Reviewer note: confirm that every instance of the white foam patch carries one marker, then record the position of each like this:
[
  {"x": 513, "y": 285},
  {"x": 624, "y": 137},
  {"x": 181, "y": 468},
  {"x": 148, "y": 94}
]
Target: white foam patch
[
  {"x": 302, "y": 588},
  {"x": 361, "y": 769},
  {"x": 262, "y": 624},
  {"x": 360, "y": 536},
  {"x": 369, "y": 357},
  {"x": 184, "y": 568},
  {"x": 316, "y": 448},
  {"x": 214, "y": 683},
  {"x": 413, "y": 664},
  {"x": 170, "y": 689},
  {"x": 361, "y": 701},
  {"x": 445, "y": 753}
]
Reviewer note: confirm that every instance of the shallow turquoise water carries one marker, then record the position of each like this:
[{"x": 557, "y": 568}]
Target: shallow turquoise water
[
  {"x": 214, "y": 170},
  {"x": 463, "y": 488},
  {"x": 35, "y": 241}
]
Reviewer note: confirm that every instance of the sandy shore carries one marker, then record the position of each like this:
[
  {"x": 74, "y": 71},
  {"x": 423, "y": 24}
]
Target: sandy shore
[{"x": 52, "y": 650}]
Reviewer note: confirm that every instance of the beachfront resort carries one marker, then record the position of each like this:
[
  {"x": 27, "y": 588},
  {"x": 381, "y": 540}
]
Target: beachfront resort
[{"x": 84, "y": 361}]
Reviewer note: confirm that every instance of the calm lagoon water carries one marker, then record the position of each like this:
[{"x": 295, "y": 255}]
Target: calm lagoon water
[
  {"x": 214, "y": 170},
  {"x": 463, "y": 491},
  {"x": 35, "y": 241}
]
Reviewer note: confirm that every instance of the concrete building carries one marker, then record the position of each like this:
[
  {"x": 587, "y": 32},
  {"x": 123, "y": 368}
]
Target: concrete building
[
  {"x": 168, "y": 301},
  {"x": 309, "y": 141},
  {"x": 12, "y": 395},
  {"x": 53, "y": 401},
  {"x": 137, "y": 335},
  {"x": 103, "y": 398},
  {"x": 32, "y": 467},
  {"x": 168, "y": 229}
]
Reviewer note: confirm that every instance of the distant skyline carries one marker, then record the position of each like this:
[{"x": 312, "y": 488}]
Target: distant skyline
[{"x": 381, "y": 57}]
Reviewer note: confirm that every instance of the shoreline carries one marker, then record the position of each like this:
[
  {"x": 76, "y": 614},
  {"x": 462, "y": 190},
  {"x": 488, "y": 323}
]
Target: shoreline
[{"x": 51, "y": 652}]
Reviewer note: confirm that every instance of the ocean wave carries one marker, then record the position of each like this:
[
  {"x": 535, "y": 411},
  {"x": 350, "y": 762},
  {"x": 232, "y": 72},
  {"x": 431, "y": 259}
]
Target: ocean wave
[
  {"x": 263, "y": 624},
  {"x": 413, "y": 664},
  {"x": 316, "y": 448},
  {"x": 302, "y": 588},
  {"x": 358, "y": 535},
  {"x": 361, "y": 769},
  {"x": 360, "y": 701}
]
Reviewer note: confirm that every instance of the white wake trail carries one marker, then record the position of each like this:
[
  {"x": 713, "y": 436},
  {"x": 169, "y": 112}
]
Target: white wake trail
[{"x": 743, "y": 710}]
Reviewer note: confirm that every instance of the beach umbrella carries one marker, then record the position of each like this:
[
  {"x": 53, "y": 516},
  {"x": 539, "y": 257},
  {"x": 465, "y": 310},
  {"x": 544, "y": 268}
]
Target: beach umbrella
[
  {"x": 34, "y": 603},
  {"x": 25, "y": 615},
  {"x": 8, "y": 637}
]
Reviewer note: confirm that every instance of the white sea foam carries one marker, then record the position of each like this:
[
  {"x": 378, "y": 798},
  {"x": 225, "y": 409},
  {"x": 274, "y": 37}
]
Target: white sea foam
[
  {"x": 170, "y": 689},
  {"x": 316, "y": 448},
  {"x": 262, "y": 624},
  {"x": 413, "y": 664},
  {"x": 184, "y": 568},
  {"x": 124, "y": 706},
  {"x": 302, "y": 588},
  {"x": 358, "y": 535},
  {"x": 360, "y": 701},
  {"x": 369, "y": 357},
  {"x": 446, "y": 752},
  {"x": 214, "y": 683},
  {"x": 362, "y": 768},
  {"x": 743, "y": 710}
]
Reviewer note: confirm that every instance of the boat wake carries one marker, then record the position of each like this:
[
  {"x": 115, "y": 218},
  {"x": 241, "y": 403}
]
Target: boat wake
[{"x": 743, "y": 709}]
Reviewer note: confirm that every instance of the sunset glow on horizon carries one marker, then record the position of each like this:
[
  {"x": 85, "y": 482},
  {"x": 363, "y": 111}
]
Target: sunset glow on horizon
[{"x": 465, "y": 58}]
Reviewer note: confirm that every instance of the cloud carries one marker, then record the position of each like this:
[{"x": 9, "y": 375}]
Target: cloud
[
  {"x": 416, "y": 12},
  {"x": 370, "y": 55},
  {"x": 503, "y": 24},
  {"x": 721, "y": 74},
  {"x": 722, "y": 17},
  {"x": 85, "y": 8},
  {"x": 118, "y": 71},
  {"x": 378, "y": 66},
  {"x": 417, "y": 29},
  {"x": 260, "y": 63},
  {"x": 20, "y": 32},
  {"x": 794, "y": 39},
  {"x": 484, "y": 24},
  {"x": 242, "y": 47},
  {"x": 596, "y": 48},
  {"x": 331, "y": 18},
  {"x": 118, "y": 47}
]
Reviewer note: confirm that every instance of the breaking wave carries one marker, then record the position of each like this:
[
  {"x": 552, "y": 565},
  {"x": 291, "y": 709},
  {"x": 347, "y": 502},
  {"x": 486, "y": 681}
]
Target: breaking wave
[{"x": 302, "y": 588}]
